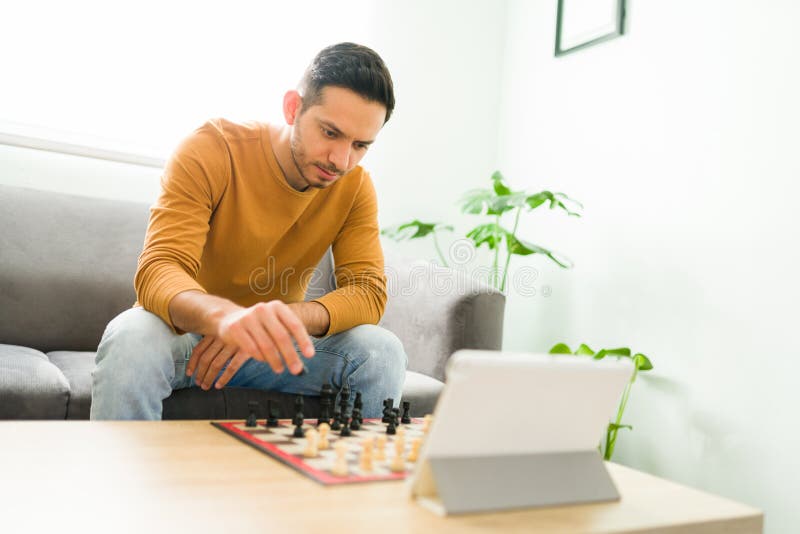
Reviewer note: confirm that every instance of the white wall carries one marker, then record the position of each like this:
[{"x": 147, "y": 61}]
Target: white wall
[
  {"x": 681, "y": 140},
  {"x": 441, "y": 140}
]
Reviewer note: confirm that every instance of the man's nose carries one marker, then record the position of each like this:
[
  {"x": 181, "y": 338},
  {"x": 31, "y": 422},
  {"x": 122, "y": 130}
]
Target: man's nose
[{"x": 340, "y": 156}]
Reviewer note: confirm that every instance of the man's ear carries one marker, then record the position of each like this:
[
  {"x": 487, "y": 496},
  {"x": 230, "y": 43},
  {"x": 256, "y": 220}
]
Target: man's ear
[{"x": 292, "y": 104}]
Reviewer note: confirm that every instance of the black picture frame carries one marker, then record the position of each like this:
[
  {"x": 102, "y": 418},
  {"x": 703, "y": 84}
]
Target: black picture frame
[{"x": 619, "y": 29}]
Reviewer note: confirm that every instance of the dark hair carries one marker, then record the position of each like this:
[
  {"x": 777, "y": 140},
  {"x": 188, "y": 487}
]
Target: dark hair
[{"x": 349, "y": 66}]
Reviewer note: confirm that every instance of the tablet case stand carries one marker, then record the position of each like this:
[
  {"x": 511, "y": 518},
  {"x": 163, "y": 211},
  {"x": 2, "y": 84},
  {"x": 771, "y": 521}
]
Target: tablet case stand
[{"x": 465, "y": 484}]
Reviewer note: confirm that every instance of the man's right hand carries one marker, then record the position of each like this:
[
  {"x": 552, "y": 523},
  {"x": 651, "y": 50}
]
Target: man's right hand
[{"x": 265, "y": 332}]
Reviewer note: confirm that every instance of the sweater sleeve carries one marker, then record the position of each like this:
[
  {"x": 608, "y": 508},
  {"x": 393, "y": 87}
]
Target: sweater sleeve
[
  {"x": 191, "y": 186},
  {"x": 360, "y": 297}
]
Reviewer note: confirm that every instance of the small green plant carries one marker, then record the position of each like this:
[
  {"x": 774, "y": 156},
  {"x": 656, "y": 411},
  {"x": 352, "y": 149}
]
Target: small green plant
[
  {"x": 495, "y": 202},
  {"x": 641, "y": 363},
  {"x": 416, "y": 229}
]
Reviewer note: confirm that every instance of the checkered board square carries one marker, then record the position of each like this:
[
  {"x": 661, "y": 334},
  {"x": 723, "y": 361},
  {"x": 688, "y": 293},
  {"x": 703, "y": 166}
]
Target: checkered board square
[{"x": 279, "y": 443}]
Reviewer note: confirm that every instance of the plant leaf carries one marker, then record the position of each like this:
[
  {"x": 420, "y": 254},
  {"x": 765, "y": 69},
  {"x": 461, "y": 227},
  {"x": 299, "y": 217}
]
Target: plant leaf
[
  {"x": 489, "y": 234},
  {"x": 523, "y": 248},
  {"x": 500, "y": 187},
  {"x": 537, "y": 199},
  {"x": 642, "y": 362},
  {"x": 584, "y": 350},
  {"x": 600, "y": 354},
  {"x": 485, "y": 201},
  {"x": 560, "y": 348},
  {"x": 500, "y": 205},
  {"x": 414, "y": 230},
  {"x": 569, "y": 199},
  {"x": 621, "y": 351},
  {"x": 615, "y": 426},
  {"x": 556, "y": 200},
  {"x": 475, "y": 201}
]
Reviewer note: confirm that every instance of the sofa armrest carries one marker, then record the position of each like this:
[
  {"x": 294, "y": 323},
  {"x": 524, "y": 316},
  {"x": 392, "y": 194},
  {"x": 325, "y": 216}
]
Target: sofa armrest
[{"x": 436, "y": 311}]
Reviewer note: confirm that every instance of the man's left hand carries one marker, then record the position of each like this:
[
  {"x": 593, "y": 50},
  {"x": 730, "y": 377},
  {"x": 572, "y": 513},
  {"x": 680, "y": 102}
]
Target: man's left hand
[{"x": 209, "y": 357}]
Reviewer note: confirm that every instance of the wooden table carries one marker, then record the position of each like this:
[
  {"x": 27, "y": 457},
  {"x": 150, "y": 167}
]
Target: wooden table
[{"x": 187, "y": 476}]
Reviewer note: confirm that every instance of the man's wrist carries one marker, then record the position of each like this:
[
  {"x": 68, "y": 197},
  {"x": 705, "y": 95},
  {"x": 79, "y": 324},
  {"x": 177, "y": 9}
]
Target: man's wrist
[
  {"x": 314, "y": 316},
  {"x": 217, "y": 313}
]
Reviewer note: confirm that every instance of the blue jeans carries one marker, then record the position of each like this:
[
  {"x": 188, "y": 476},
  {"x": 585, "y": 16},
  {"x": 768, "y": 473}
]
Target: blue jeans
[{"x": 140, "y": 361}]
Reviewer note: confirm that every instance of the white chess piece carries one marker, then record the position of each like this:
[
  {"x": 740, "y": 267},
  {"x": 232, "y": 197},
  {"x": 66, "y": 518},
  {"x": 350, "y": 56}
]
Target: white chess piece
[
  {"x": 323, "y": 444},
  {"x": 398, "y": 464},
  {"x": 380, "y": 448},
  {"x": 366, "y": 456},
  {"x": 340, "y": 465},
  {"x": 415, "y": 445},
  {"x": 426, "y": 423},
  {"x": 311, "y": 450}
]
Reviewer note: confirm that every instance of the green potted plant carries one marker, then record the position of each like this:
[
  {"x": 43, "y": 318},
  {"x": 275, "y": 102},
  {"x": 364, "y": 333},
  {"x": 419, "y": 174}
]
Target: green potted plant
[
  {"x": 494, "y": 202},
  {"x": 640, "y": 363}
]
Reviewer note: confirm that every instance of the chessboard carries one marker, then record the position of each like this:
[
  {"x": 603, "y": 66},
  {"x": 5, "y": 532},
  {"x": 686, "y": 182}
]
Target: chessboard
[{"x": 279, "y": 443}]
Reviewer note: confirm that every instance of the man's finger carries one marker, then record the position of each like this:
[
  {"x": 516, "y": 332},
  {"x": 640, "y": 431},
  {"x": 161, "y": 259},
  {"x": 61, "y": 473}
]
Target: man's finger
[
  {"x": 204, "y": 360},
  {"x": 271, "y": 347},
  {"x": 283, "y": 339},
  {"x": 234, "y": 365},
  {"x": 297, "y": 329},
  {"x": 215, "y": 367},
  {"x": 198, "y": 351}
]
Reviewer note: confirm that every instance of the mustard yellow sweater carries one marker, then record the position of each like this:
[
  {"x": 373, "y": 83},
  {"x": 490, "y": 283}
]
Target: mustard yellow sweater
[{"x": 227, "y": 223}]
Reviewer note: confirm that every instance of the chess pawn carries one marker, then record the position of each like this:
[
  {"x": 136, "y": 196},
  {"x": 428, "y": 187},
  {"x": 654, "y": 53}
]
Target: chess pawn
[
  {"x": 380, "y": 448},
  {"x": 414, "y": 453},
  {"x": 311, "y": 450},
  {"x": 252, "y": 406},
  {"x": 366, "y": 456},
  {"x": 400, "y": 441},
  {"x": 426, "y": 423},
  {"x": 340, "y": 465},
  {"x": 323, "y": 444},
  {"x": 398, "y": 465}
]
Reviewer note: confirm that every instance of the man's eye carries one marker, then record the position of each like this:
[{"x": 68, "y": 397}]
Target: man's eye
[
  {"x": 329, "y": 133},
  {"x": 361, "y": 146}
]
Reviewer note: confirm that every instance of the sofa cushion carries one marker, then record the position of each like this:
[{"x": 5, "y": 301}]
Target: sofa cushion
[
  {"x": 422, "y": 391},
  {"x": 32, "y": 387},
  {"x": 77, "y": 368},
  {"x": 66, "y": 268}
]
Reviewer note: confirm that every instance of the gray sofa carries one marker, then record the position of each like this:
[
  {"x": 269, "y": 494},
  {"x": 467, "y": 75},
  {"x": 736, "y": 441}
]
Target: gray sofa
[{"x": 66, "y": 269}]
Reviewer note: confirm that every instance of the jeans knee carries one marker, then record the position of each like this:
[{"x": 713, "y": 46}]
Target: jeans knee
[
  {"x": 384, "y": 352},
  {"x": 134, "y": 339}
]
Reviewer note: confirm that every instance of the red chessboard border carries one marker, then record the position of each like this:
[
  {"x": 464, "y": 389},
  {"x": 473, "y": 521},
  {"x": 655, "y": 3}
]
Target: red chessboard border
[{"x": 323, "y": 477}]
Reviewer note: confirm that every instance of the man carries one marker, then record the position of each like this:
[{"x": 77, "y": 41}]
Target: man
[{"x": 245, "y": 212}]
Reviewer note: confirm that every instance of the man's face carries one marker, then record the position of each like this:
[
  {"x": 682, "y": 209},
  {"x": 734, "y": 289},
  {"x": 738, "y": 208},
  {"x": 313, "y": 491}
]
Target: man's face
[{"x": 330, "y": 138}]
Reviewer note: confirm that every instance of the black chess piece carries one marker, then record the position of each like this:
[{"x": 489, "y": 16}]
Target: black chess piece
[
  {"x": 298, "y": 417},
  {"x": 358, "y": 404},
  {"x": 406, "y": 419},
  {"x": 325, "y": 401},
  {"x": 344, "y": 398},
  {"x": 355, "y": 422},
  {"x": 252, "y": 416},
  {"x": 345, "y": 428},
  {"x": 336, "y": 424},
  {"x": 396, "y": 415},
  {"x": 387, "y": 409},
  {"x": 272, "y": 415},
  {"x": 392, "y": 428}
]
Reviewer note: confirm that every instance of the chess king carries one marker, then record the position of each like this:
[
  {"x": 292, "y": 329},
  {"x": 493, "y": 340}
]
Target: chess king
[{"x": 245, "y": 213}]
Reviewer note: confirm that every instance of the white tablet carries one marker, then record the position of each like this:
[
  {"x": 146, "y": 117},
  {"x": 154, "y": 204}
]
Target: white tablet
[{"x": 513, "y": 430}]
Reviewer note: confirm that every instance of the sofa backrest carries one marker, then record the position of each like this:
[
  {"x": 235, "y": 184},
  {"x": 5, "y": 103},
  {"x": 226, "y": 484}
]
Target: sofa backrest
[{"x": 67, "y": 265}]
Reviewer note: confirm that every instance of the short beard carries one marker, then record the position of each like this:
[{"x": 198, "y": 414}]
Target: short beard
[{"x": 295, "y": 148}]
